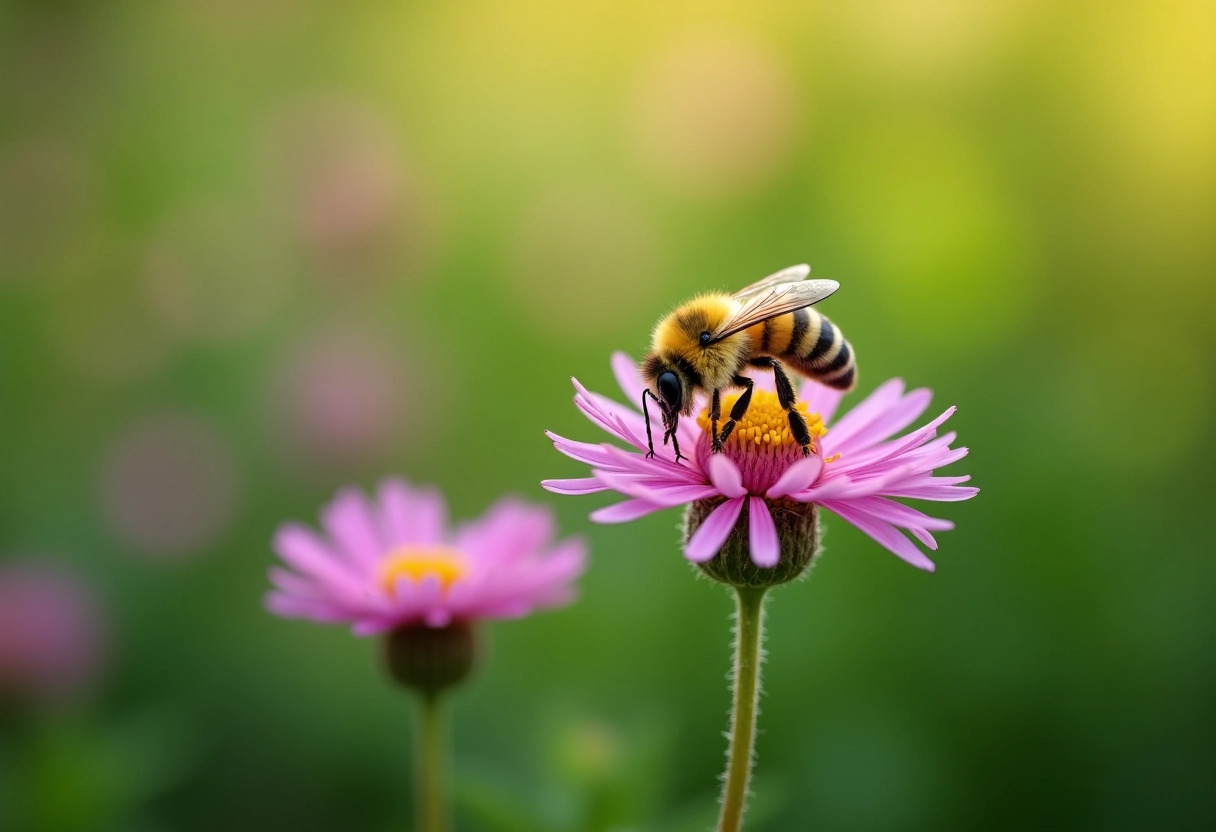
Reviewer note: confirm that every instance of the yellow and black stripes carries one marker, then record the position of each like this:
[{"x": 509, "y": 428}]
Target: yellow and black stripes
[{"x": 811, "y": 345}]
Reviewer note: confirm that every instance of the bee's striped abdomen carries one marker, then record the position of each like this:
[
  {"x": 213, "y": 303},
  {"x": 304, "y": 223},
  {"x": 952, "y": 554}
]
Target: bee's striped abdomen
[{"x": 815, "y": 349}]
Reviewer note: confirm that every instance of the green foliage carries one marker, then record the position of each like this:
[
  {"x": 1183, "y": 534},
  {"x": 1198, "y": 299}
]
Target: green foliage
[{"x": 435, "y": 214}]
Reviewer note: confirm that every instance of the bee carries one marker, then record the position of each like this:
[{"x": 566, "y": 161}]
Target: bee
[{"x": 705, "y": 344}]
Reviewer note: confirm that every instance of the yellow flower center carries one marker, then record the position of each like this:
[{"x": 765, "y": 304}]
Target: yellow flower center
[
  {"x": 419, "y": 562},
  {"x": 764, "y": 425}
]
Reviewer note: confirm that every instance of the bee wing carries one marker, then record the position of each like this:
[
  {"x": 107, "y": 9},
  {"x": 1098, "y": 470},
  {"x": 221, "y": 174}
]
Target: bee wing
[
  {"x": 791, "y": 275},
  {"x": 769, "y": 302}
]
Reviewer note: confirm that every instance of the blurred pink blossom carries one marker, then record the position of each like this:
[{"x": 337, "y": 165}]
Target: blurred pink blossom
[
  {"x": 340, "y": 177},
  {"x": 53, "y": 639},
  {"x": 395, "y": 560},
  {"x": 339, "y": 398},
  {"x": 170, "y": 485}
]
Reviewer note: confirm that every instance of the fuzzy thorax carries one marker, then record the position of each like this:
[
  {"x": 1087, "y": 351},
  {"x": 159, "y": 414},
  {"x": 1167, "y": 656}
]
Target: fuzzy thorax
[
  {"x": 761, "y": 444},
  {"x": 677, "y": 345}
]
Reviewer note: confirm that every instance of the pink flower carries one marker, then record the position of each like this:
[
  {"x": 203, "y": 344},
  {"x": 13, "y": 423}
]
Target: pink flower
[
  {"x": 857, "y": 474},
  {"x": 393, "y": 561},
  {"x": 53, "y": 636}
]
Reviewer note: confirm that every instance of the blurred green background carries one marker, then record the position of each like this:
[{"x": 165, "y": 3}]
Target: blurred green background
[{"x": 251, "y": 251}]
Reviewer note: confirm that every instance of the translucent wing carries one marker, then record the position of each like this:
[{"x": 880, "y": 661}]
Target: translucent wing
[
  {"x": 791, "y": 275},
  {"x": 770, "y": 301}
]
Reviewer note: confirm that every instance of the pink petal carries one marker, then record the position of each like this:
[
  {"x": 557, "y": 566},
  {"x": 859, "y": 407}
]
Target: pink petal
[
  {"x": 624, "y": 512},
  {"x": 918, "y": 436},
  {"x": 884, "y": 533},
  {"x": 885, "y": 425},
  {"x": 428, "y": 517},
  {"x": 708, "y": 539},
  {"x": 581, "y": 485},
  {"x": 301, "y": 549},
  {"x": 820, "y": 399},
  {"x": 937, "y": 493},
  {"x": 725, "y": 476},
  {"x": 762, "y": 534},
  {"x": 835, "y": 487},
  {"x": 658, "y": 493},
  {"x": 394, "y": 511},
  {"x": 373, "y": 626},
  {"x": 614, "y": 418},
  {"x": 626, "y": 371},
  {"x": 586, "y": 452},
  {"x": 351, "y": 523},
  {"x": 511, "y": 530},
  {"x": 686, "y": 472},
  {"x": 798, "y": 477},
  {"x": 898, "y": 514},
  {"x": 437, "y": 617},
  {"x": 860, "y": 417}
]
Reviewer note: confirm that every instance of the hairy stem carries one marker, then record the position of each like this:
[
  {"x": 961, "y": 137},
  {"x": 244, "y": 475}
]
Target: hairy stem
[
  {"x": 749, "y": 633},
  {"x": 430, "y": 765}
]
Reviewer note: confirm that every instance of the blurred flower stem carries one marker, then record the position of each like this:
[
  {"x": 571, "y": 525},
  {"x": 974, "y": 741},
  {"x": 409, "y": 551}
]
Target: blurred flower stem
[
  {"x": 749, "y": 633},
  {"x": 431, "y": 764}
]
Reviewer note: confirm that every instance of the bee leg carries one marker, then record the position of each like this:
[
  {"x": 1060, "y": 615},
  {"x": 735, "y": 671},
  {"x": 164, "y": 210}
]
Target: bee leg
[
  {"x": 737, "y": 412},
  {"x": 671, "y": 434},
  {"x": 646, "y": 417},
  {"x": 715, "y": 413},
  {"x": 676, "y": 446},
  {"x": 785, "y": 395}
]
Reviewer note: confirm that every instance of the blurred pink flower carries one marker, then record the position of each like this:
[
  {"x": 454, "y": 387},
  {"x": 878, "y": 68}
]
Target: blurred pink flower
[
  {"x": 393, "y": 561},
  {"x": 170, "y": 485},
  {"x": 340, "y": 177},
  {"x": 52, "y": 636},
  {"x": 339, "y": 398},
  {"x": 856, "y": 475}
]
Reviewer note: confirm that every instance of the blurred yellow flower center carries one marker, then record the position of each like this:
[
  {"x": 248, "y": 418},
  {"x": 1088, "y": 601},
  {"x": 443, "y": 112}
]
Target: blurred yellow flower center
[
  {"x": 420, "y": 562},
  {"x": 765, "y": 423}
]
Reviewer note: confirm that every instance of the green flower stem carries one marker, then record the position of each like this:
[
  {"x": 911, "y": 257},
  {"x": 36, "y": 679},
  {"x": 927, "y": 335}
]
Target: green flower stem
[
  {"x": 749, "y": 633},
  {"x": 431, "y": 765}
]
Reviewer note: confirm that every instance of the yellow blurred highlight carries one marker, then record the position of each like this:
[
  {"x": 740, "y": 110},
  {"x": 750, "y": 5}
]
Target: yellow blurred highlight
[
  {"x": 921, "y": 208},
  {"x": 420, "y": 562},
  {"x": 715, "y": 114}
]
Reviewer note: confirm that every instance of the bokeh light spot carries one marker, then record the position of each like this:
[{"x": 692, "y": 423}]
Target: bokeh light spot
[
  {"x": 340, "y": 178},
  {"x": 170, "y": 485},
  {"x": 583, "y": 260},
  {"x": 53, "y": 636},
  {"x": 338, "y": 398},
  {"x": 214, "y": 273},
  {"x": 714, "y": 114}
]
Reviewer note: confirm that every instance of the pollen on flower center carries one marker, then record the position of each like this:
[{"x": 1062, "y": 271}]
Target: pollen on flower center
[
  {"x": 765, "y": 424},
  {"x": 761, "y": 444},
  {"x": 420, "y": 562}
]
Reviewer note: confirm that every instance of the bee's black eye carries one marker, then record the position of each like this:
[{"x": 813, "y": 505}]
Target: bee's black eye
[
  {"x": 669, "y": 388},
  {"x": 705, "y": 336}
]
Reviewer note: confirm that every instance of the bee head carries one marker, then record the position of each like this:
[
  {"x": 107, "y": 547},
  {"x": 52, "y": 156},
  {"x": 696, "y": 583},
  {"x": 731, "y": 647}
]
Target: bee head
[{"x": 670, "y": 386}]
